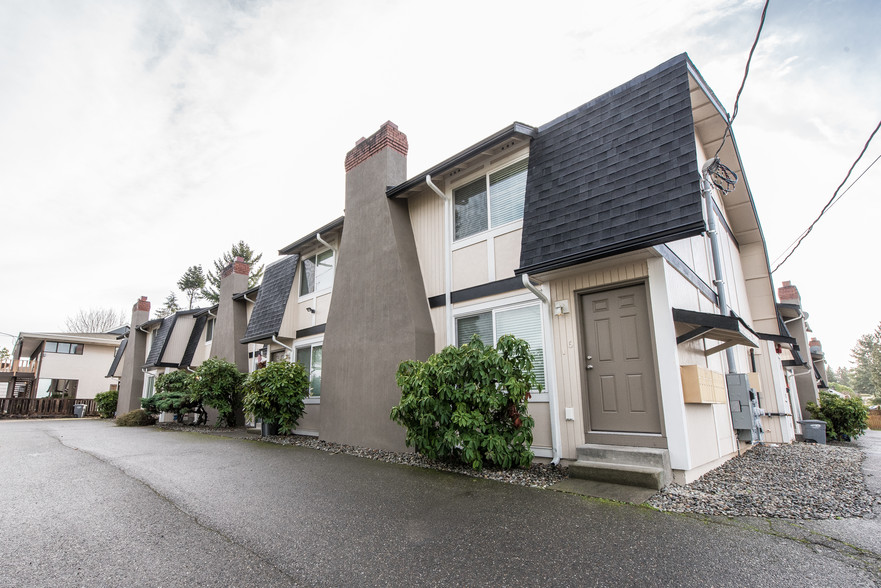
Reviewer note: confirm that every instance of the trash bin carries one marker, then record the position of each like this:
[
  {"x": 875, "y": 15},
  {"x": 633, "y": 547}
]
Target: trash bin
[
  {"x": 79, "y": 410},
  {"x": 813, "y": 431},
  {"x": 268, "y": 429}
]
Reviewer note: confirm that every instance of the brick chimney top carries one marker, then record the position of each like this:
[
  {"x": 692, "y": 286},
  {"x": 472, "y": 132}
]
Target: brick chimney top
[
  {"x": 388, "y": 135},
  {"x": 237, "y": 267},
  {"x": 815, "y": 343},
  {"x": 142, "y": 304},
  {"x": 788, "y": 293}
]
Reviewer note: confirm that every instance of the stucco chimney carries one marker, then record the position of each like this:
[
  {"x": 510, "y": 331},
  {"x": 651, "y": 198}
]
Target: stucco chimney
[
  {"x": 231, "y": 316},
  {"x": 788, "y": 294},
  {"x": 378, "y": 315},
  {"x": 131, "y": 386}
]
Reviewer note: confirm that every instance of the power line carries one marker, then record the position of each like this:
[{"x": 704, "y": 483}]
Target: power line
[
  {"x": 743, "y": 83},
  {"x": 834, "y": 197},
  {"x": 840, "y": 196}
]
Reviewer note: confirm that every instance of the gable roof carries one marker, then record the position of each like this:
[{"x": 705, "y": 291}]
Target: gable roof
[
  {"x": 160, "y": 342},
  {"x": 614, "y": 175},
  {"x": 271, "y": 299},
  {"x": 299, "y": 243}
]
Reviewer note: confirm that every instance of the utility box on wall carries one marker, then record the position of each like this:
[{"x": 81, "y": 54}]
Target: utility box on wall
[{"x": 745, "y": 411}]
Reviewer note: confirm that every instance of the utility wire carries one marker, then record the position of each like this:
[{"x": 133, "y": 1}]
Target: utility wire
[
  {"x": 834, "y": 202},
  {"x": 831, "y": 200},
  {"x": 743, "y": 83}
]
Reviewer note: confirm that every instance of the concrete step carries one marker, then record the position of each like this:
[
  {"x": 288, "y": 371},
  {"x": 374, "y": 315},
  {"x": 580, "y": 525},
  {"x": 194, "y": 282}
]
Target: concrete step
[{"x": 619, "y": 473}]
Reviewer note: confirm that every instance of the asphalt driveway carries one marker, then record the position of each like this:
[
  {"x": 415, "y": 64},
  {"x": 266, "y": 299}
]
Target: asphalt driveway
[{"x": 86, "y": 503}]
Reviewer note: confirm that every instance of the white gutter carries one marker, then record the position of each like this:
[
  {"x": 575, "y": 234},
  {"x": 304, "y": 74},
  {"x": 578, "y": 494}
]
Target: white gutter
[
  {"x": 245, "y": 296},
  {"x": 275, "y": 340},
  {"x": 550, "y": 369},
  {"x": 448, "y": 257},
  {"x": 336, "y": 251}
]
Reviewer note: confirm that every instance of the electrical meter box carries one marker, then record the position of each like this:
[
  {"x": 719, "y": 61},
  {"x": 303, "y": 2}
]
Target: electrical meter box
[{"x": 745, "y": 411}]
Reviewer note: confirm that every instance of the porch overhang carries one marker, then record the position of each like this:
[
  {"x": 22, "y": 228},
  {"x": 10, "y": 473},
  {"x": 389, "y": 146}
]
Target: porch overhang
[{"x": 728, "y": 331}]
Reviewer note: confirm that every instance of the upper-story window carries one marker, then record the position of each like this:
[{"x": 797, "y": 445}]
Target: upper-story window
[
  {"x": 490, "y": 201},
  {"x": 209, "y": 330},
  {"x": 317, "y": 273},
  {"x": 59, "y": 347}
]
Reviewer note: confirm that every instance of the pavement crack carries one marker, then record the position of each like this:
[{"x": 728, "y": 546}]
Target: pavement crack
[{"x": 192, "y": 516}]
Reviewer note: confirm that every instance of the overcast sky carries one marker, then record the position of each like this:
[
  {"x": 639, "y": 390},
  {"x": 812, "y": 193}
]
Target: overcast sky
[{"x": 139, "y": 138}]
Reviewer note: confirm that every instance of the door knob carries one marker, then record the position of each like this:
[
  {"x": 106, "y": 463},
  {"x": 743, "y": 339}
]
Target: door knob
[{"x": 590, "y": 367}]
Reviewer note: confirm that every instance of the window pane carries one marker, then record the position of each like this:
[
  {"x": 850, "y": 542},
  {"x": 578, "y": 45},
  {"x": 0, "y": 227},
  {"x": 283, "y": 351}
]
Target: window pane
[
  {"x": 470, "y": 203},
  {"x": 303, "y": 357},
  {"x": 507, "y": 191},
  {"x": 482, "y": 324},
  {"x": 64, "y": 348},
  {"x": 324, "y": 271},
  {"x": 209, "y": 330},
  {"x": 307, "y": 276},
  {"x": 51, "y": 346},
  {"x": 525, "y": 323},
  {"x": 315, "y": 374}
]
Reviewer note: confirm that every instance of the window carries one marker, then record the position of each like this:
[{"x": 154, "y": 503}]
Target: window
[
  {"x": 149, "y": 381},
  {"x": 523, "y": 322},
  {"x": 317, "y": 274},
  {"x": 66, "y": 348},
  {"x": 310, "y": 358},
  {"x": 209, "y": 330},
  {"x": 506, "y": 191}
]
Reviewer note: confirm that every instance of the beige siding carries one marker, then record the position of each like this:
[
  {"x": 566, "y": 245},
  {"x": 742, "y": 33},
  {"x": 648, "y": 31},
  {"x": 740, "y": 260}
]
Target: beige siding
[
  {"x": 178, "y": 340},
  {"x": 507, "y": 253},
  {"x": 469, "y": 266},
  {"x": 88, "y": 369},
  {"x": 541, "y": 433},
  {"x": 427, "y": 219},
  {"x": 291, "y": 318}
]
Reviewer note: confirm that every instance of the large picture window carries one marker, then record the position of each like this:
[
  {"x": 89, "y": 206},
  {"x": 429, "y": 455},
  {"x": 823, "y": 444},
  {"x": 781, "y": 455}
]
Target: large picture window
[
  {"x": 317, "y": 273},
  {"x": 310, "y": 358},
  {"x": 523, "y": 322},
  {"x": 491, "y": 201},
  {"x": 66, "y": 348}
]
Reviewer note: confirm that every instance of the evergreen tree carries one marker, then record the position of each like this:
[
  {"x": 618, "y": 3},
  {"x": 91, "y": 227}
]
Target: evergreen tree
[
  {"x": 865, "y": 377},
  {"x": 170, "y": 307},
  {"x": 192, "y": 283},
  {"x": 241, "y": 249}
]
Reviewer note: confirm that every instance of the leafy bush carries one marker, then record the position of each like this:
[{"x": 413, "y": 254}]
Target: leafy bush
[
  {"x": 135, "y": 418},
  {"x": 275, "y": 394},
  {"x": 845, "y": 417},
  {"x": 468, "y": 403},
  {"x": 174, "y": 395},
  {"x": 218, "y": 383},
  {"x": 106, "y": 403}
]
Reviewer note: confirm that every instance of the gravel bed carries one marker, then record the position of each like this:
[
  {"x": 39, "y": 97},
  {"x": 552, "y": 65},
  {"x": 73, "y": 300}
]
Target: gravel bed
[
  {"x": 537, "y": 475},
  {"x": 798, "y": 481}
]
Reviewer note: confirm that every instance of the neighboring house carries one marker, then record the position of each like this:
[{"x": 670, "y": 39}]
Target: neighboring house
[
  {"x": 59, "y": 365},
  {"x": 807, "y": 364},
  {"x": 656, "y": 337}
]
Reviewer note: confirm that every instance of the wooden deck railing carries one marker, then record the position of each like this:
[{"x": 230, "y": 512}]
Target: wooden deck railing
[
  {"x": 44, "y": 407},
  {"x": 23, "y": 366}
]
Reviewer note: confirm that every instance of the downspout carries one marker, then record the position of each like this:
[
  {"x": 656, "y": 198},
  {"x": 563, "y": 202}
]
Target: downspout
[
  {"x": 550, "y": 374},
  {"x": 336, "y": 251},
  {"x": 719, "y": 281},
  {"x": 448, "y": 257},
  {"x": 291, "y": 349}
]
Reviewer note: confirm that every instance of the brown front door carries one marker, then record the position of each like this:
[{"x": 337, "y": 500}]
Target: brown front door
[{"x": 622, "y": 394}]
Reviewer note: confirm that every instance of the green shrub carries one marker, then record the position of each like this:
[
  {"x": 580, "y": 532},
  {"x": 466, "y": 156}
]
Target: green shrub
[
  {"x": 173, "y": 394},
  {"x": 218, "y": 383},
  {"x": 275, "y": 394},
  {"x": 468, "y": 404},
  {"x": 845, "y": 417},
  {"x": 135, "y": 418},
  {"x": 106, "y": 403}
]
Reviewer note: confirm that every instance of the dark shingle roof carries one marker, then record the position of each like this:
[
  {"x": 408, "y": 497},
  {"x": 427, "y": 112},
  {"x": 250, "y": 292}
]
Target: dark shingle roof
[
  {"x": 117, "y": 357},
  {"x": 160, "y": 341},
  {"x": 272, "y": 299},
  {"x": 193, "y": 343},
  {"x": 614, "y": 175}
]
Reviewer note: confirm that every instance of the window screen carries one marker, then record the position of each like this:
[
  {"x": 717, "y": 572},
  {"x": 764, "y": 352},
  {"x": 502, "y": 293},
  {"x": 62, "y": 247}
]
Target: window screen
[
  {"x": 482, "y": 324},
  {"x": 525, "y": 323},
  {"x": 507, "y": 192},
  {"x": 470, "y": 201}
]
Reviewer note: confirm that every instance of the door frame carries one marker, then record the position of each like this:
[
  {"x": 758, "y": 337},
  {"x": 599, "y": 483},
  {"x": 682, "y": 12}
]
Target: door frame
[{"x": 653, "y": 440}]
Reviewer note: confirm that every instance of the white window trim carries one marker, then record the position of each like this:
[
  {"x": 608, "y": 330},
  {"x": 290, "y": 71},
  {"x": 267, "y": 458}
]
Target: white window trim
[
  {"x": 490, "y": 232},
  {"x": 302, "y": 344},
  {"x": 513, "y": 303},
  {"x": 315, "y": 293}
]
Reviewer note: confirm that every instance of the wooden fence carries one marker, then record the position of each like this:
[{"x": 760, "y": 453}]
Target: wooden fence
[{"x": 45, "y": 407}]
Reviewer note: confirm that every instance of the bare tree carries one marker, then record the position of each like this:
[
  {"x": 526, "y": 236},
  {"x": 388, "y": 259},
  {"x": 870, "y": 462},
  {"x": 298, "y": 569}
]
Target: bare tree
[{"x": 94, "y": 320}]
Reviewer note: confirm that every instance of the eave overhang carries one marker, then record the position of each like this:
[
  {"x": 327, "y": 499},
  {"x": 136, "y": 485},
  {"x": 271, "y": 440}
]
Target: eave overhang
[{"x": 728, "y": 331}]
